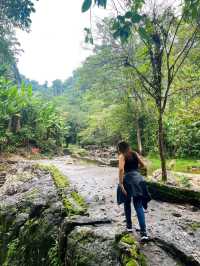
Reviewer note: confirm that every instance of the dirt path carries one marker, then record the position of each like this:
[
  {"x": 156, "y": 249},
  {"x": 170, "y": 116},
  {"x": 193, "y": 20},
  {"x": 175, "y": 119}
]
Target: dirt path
[{"x": 174, "y": 229}]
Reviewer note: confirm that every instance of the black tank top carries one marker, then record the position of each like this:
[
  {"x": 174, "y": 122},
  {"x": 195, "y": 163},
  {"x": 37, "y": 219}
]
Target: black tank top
[{"x": 131, "y": 163}]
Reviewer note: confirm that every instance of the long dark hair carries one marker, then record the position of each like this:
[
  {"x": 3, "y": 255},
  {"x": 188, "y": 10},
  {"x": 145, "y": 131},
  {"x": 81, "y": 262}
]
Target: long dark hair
[{"x": 124, "y": 148}]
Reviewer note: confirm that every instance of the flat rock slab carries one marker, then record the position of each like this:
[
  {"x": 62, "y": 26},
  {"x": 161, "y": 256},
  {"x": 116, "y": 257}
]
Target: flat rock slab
[{"x": 175, "y": 224}]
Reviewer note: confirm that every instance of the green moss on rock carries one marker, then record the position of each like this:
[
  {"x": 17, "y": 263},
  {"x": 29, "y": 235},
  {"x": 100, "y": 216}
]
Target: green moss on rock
[
  {"x": 79, "y": 200},
  {"x": 195, "y": 226},
  {"x": 173, "y": 194},
  {"x": 73, "y": 203},
  {"x": 70, "y": 208},
  {"x": 132, "y": 263},
  {"x": 128, "y": 239},
  {"x": 130, "y": 253},
  {"x": 7, "y": 218},
  {"x": 32, "y": 245},
  {"x": 29, "y": 229},
  {"x": 60, "y": 180},
  {"x": 86, "y": 247},
  {"x": 142, "y": 259},
  {"x": 53, "y": 255}
]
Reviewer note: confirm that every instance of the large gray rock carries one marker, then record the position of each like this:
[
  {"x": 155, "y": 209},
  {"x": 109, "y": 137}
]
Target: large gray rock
[{"x": 30, "y": 215}]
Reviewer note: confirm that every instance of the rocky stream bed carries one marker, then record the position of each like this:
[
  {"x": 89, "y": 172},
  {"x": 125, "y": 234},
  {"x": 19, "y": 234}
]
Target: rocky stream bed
[{"x": 45, "y": 221}]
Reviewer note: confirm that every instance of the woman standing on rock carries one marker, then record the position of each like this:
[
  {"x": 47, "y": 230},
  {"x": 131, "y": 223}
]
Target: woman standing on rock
[{"x": 132, "y": 185}]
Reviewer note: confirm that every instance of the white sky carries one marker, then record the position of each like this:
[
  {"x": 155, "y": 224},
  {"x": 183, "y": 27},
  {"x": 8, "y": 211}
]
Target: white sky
[{"x": 54, "y": 47}]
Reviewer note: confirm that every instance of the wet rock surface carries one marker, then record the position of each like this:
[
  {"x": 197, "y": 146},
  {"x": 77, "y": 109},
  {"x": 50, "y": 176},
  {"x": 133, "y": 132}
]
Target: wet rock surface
[
  {"x": 174, "y": 229},
  {"x": 34, "y": 228},
  {"x": 37, "y": 229},
  {"x": 88, "y": 245},
  {"x": 30, "y": 215}
]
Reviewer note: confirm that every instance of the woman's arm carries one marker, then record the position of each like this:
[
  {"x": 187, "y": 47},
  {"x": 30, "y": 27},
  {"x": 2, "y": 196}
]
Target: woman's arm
[
  {"x": 141, "y": 162},
  {"x": 121, "y": 172}
]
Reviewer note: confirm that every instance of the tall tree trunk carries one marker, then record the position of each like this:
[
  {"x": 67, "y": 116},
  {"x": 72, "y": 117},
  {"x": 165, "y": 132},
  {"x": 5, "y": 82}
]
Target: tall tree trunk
[
  {"x": 161, "y": 146},
  {"x": 10, "y": 124},
  {"x": 139, "y": 141},
  {"x": 136, "y": 121}
]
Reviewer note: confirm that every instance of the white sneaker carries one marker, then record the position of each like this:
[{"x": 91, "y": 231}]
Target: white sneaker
[{"x": 144, "y": 237}]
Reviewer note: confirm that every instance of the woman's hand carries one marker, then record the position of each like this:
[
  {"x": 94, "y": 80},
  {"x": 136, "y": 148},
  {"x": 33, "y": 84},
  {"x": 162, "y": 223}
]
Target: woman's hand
[{"x": 123, "y": 190}]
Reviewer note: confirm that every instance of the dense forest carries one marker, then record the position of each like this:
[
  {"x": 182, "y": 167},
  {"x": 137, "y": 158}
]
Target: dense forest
[{"x": 141, "y": 84}]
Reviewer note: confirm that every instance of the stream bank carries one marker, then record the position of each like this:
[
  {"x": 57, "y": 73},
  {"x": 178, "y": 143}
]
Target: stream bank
[
  {"x": 177, "y": 225},
  {"x": 44, "y": 221},
  {"x": 35, "y": 224}
]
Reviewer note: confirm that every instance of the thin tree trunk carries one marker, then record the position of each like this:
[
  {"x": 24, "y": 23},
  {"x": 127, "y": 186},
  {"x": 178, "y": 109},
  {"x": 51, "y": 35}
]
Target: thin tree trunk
[
  {"x": 136, "y": 121},
  {"x": 139, "y": 141},
  {"x": 161, "y": 147},
  {"x": 10, "y": 124}
]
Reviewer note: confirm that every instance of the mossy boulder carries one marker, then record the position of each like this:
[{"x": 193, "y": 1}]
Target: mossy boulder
[
  {"x": 32, "y": 245},
  {"x": 29, "y": 218},
  {"x": 90, "y": 245},
  {"x": 130, "y": 252},
  {"x": 73, "y": 203},
  {"x": 162, "y": 192},
  {"x": 85, "y": 246}
]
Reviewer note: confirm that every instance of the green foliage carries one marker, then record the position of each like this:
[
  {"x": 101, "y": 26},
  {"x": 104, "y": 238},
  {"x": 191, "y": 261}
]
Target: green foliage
[
  {"x": 24, "y": 124},
  {"x": 86, "y": 5},
  {"x": 17, "y": 12},
  {"x": 179, "y": 165},
  {"x": 54, "y": 259},
  {"x": 32, "y": 245},
  {"x": 76, "y": 150},
  {"x": 14, "y": 14}
]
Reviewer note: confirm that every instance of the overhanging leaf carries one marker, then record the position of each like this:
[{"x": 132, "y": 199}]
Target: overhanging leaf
[
  {"x": 143, "y": 34},
  {"x": 135, "y": 18},
  {"x": 102, "y": 3},
  {"x": 128, "y": 14},
  {"x": 86, "y": 5}
]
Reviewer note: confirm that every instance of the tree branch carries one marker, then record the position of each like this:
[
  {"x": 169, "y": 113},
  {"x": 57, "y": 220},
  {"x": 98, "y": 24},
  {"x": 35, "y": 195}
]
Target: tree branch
[
  {"x": 192, "y": 39},
  {"x": 188, "y": 45},
  {"x": 176, "y": 30},
  {"x": 140, "y": 74}
]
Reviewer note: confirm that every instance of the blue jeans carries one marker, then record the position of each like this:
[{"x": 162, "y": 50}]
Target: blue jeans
[{"x": 137, "y": 202}]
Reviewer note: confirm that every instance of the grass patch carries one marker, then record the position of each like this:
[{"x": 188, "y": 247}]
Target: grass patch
[
  {"x": 186, "y": 165},
  {"x": 153, "y": 163},
  {"x": 177, "y": 165}
]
